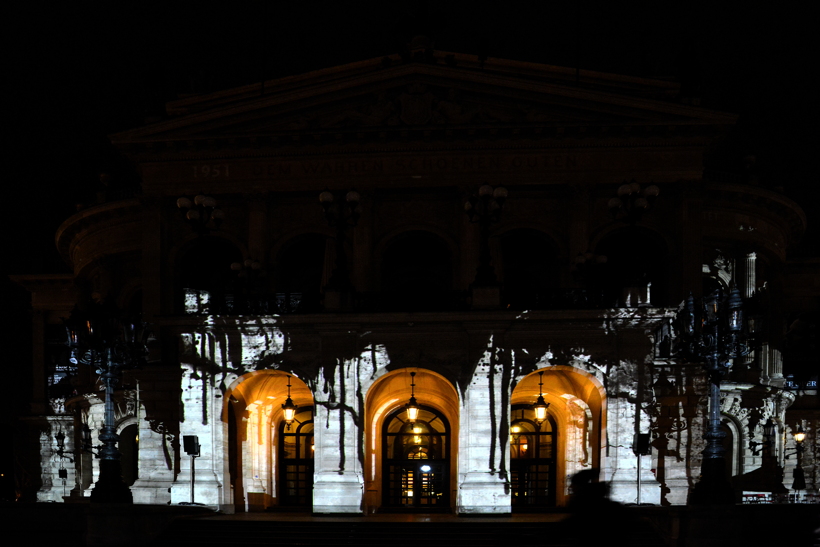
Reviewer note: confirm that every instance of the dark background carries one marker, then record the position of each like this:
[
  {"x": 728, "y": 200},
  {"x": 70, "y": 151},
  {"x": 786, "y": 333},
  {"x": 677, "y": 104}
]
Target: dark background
[{"x": 79, "y": 71}]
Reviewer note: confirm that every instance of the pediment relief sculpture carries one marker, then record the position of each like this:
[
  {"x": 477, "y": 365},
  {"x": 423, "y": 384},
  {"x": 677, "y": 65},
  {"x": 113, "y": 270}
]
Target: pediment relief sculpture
[{"x": 416, "y": 105}]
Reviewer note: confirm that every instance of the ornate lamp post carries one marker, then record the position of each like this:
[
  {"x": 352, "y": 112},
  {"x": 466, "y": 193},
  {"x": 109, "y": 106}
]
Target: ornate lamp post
[
  {"x": 342, "y": 212},
  {"x": 714, "y": 335},
  {"x": 485, "y": 208},
  {"x": 101, "y": 337},
  {"x": 799, "y": 482}
]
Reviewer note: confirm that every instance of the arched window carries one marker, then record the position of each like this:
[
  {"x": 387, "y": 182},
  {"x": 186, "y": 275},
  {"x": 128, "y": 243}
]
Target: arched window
[
  {"x": 635, "y": 272},
  {"x": 416, "y": 460},
  {"x": 205, "y": 275},
  {"x": 529, "y": 268},
  {"x": 417, "y": 273},
  {"x": 299, "y": 273}
]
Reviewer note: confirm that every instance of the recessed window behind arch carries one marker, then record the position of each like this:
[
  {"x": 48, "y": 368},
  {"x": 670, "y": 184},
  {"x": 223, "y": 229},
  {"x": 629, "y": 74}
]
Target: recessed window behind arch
[
  {"x": 529, "y": 268},
  {"x": 205, "y": 275},
  {"x": 417, "y": 273},
  {"x": 299, "y": 272},
  {"x": 635, "y": 272}
]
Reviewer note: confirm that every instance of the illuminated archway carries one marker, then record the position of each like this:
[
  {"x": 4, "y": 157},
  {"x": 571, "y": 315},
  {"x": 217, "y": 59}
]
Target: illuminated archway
[
  {"x": 269, "y": 465},
  {"x": 384, "y": 422},
  {"x": 576, "y": 416}
]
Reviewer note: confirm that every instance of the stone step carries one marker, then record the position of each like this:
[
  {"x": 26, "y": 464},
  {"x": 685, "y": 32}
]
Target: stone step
[{"x": 205, "y": 532}]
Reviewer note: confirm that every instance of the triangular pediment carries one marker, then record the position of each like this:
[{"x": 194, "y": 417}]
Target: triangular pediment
[{"x": 453, "y": 92}]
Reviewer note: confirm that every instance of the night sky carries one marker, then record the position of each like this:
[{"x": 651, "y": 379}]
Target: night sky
[
  {"x": 78, "y": 71},
  {"x": 90, "y": 69}
]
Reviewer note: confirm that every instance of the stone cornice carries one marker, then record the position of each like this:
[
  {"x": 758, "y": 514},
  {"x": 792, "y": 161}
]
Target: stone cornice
[{"x": 373, "y": 141}]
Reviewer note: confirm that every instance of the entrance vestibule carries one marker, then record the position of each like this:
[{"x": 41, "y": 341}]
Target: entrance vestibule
[
  {"x": 270, "y": 463},
  {"x": 410, "y": 462},
  {"x": 416, "y": 460},
  {"x": 569, "y": 440}
]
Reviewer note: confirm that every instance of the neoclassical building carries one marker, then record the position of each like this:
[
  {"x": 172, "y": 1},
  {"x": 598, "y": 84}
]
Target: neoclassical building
[{"x": 472, "y": 234}]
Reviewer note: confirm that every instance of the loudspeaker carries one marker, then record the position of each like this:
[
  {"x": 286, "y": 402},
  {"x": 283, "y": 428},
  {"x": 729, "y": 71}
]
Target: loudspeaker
[
  {"x": 641, "y": 444},
  {"x": 191, "y": 444}
]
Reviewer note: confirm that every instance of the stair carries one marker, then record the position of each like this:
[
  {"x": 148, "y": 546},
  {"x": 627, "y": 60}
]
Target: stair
[{"x": 226, "y": 532}]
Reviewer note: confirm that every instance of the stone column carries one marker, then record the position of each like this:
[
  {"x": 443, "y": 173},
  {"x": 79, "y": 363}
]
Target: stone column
[
  {"x": 749, "y": 280},
  {"x": 469, "y": 243},
  {"x": 483, "y": 463},
  {"x": 579, "y": 221},
  {"x": 257, "y": 228},
  {"x": 152, "y": 259},
  {"x": 156, "y": 474},
  {"x": 361, "y": 267},
  {"x": 338, "y": 481}
]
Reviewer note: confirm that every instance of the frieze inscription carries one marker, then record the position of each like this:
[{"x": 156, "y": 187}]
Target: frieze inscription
[{"x": 413, "y": 165}]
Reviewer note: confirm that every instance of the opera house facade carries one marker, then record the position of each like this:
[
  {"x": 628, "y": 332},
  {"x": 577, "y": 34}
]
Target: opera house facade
[{"x": 423, "y": 283}]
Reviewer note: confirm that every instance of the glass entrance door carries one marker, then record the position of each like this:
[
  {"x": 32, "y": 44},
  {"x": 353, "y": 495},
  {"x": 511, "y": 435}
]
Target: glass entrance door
[
  {"x": 296, "y": 460},
  {"x": 532, "y": 458},
  {"x": 416, "y": 461}
]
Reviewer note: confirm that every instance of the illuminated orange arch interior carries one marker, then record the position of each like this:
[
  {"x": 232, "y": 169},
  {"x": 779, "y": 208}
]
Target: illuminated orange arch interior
[
  {"x": 387, "y": 394},
  {"x": 254, "y": 406},
  {"x": 575, "y": 397}
]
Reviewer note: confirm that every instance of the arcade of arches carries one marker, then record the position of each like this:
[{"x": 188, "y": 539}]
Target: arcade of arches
[{"x": 410, "y": 464}]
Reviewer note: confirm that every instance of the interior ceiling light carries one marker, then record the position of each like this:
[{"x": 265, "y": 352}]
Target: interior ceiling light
[
  {"x": 412, "y": 406},
  {"x": 540, "y": 407}
]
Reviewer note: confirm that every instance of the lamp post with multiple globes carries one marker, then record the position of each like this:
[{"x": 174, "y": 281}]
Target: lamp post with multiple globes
[
  {"x": 100, "y": 336},
  {"x": 714, "y": 335},
  {"x": 201, "y": 213}
]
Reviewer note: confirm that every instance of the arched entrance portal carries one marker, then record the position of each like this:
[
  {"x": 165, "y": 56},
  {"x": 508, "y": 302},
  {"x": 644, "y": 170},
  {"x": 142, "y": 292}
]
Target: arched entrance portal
[
  {"x": 416, "y": 460},
  {"x": 271, "y": 465},
  {"x": 532, "y": 459},
  {"x": 411, "y": 465},
  {"x": 568, "y": 441}
]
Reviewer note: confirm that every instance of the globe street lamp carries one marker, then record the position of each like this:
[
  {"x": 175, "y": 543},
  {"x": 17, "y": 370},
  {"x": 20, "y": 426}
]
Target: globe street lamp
[
  {"x": 102, "y": 337},
  {"x": 714, "y": 335},
  {"x": 799, "y": 482}
]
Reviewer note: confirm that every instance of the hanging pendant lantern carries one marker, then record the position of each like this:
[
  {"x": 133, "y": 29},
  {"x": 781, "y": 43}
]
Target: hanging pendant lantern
[
  {"x": 412, "y": 406},
  {"x": 289, "y": 408},
  {"x": 540, "y": 407}
]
